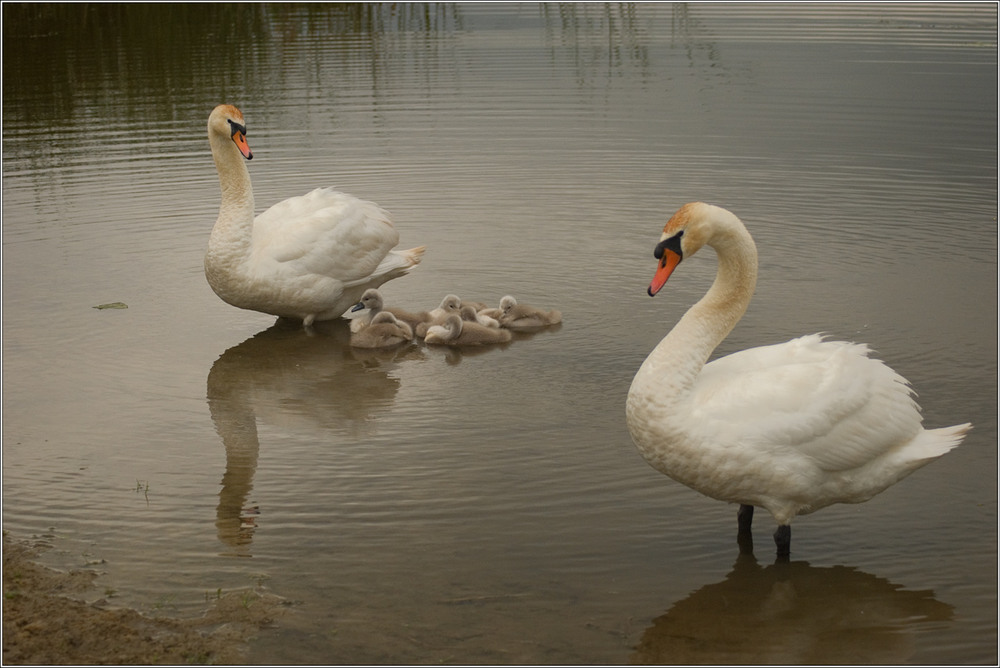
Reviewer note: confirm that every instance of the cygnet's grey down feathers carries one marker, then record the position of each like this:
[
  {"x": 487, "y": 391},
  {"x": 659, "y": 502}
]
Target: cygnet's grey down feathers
[
  {"x": 372, "y": 301},
  {"x": 456, "y": 332},
  {"x": 522, "y": 316},
  {"x": 384, "y": 331}
]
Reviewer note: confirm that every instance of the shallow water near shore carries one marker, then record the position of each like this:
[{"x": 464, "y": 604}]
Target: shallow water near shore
[{"x": 488, "y": 506}]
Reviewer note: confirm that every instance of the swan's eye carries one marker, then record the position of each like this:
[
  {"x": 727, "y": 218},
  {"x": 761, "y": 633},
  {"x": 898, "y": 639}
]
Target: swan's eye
[
  {"x": 672, "y": 244},
  {"x": 236, "y": 127}
]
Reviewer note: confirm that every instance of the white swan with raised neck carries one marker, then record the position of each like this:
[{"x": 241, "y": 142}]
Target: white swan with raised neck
[
  {"x": 791, "y": 427},
  {"x": 308, "y": 258}
]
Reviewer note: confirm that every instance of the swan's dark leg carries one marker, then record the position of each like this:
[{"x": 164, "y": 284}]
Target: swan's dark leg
[
  {"x": 744, "y": 536},
  {"x": 783, "y": 539},
  {"x": 744, "y": 517}
]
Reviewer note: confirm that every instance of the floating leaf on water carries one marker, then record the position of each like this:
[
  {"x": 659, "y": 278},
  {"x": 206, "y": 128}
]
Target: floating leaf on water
[{"x": 112, "y": 305}]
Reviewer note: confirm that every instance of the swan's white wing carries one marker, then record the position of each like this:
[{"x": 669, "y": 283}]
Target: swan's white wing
[
  {"x": 326, "y": 233},
  {"x": 824, "y": 399}
]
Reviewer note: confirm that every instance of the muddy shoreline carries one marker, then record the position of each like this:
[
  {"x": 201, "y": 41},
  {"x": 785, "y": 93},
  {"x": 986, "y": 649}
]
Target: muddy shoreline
[{"x": 47, "y": 620}]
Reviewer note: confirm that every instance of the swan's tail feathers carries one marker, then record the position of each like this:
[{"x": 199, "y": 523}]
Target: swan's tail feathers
[
  {"x": 404, "y": 261},
  {"x": 932, "y": 443},
  {"x": 394, "y": 265},
  {"x": 413, "y": 256}
]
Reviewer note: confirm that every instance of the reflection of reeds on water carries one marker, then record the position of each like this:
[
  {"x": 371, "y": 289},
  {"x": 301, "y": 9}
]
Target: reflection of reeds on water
[
  {"x": 572, "y": 26},
  {"x": 794, "y": 614},
  {"x": 169, "y": 61}
]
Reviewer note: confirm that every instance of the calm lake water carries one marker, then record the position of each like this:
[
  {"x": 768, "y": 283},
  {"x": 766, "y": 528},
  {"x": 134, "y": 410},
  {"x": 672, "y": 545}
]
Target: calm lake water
[{"x": 433, "y": 506}]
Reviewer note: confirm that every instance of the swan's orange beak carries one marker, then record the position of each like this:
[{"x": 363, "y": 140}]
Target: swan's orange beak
[
  {"x": 240, "y": 140},
  {"x": 668, "y": 263}
]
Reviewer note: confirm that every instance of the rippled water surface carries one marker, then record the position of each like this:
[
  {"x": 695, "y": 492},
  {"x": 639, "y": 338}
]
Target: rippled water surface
[{"x": 435, "y": 506}]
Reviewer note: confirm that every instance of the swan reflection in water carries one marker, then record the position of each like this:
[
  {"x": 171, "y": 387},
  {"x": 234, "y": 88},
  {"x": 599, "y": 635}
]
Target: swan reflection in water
[
  {"x": 292, "y": 379},
  {"x": 794, "y": 614}
]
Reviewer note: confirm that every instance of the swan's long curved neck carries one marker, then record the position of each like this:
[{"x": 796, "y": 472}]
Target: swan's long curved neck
[
  {"x": 233, "y": 228},
  {"x": 683, "y": 352}
]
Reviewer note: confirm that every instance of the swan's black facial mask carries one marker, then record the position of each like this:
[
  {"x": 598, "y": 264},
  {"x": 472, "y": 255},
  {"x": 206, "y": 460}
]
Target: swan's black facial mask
[
  {"x": 236, "y": 127},
  {"x": 671, "y": 244}
]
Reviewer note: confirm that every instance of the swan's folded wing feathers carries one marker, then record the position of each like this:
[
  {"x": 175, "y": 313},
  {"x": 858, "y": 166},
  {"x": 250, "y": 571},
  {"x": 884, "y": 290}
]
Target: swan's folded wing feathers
[
  {"x": 810, "y": 396},
  {"x": 326, "y": 233}
]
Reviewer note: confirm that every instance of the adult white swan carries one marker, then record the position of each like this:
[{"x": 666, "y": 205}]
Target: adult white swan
[
  {"x": 792, "y": 427},
  {"x": 307, "y": 258}
]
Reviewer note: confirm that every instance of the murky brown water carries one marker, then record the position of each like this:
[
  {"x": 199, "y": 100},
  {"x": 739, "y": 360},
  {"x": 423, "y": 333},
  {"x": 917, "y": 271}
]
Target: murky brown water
[{"x": 433, "y": 506}]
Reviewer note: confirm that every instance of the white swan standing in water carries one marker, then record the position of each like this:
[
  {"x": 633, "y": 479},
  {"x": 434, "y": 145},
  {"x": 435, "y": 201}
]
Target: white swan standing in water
[
  {"x": 792, "y": 427},
  {"x": 307, "y": 258}
]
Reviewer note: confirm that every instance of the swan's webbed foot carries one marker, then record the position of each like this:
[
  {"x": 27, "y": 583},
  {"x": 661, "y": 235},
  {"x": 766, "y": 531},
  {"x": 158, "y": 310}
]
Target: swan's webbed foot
[
  {"x": 744, "y": 536},
  {"x": 783, "y": 539}
]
